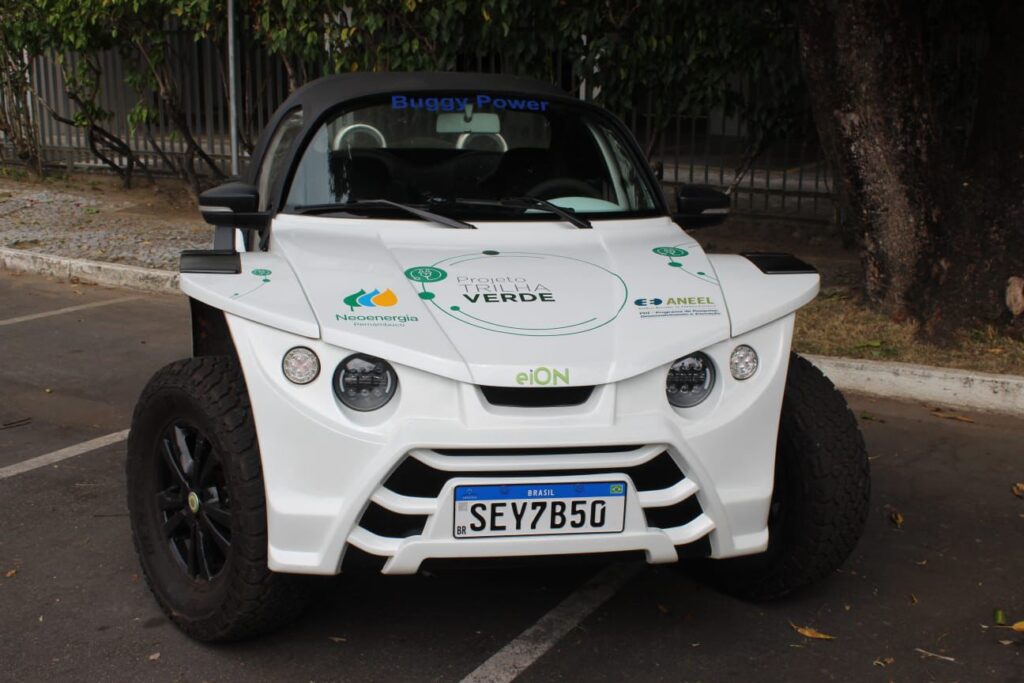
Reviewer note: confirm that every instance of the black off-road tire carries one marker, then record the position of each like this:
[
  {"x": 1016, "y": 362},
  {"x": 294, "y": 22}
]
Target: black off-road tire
[
  {"x": 207, "y": 398},
  {"x": 822, "y": 490}
]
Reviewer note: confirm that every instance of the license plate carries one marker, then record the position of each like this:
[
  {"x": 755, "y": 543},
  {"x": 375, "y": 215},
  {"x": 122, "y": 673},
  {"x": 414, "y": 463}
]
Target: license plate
[{"x": 539, "y": 509}]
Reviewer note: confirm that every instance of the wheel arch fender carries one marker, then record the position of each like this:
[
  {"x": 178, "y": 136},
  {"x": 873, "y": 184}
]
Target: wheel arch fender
[{"x": 762, "y": 288}]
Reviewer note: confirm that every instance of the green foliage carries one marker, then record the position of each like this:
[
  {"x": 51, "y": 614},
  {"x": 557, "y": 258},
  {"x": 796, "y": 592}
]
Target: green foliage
[
  {"x": 668, "y": 57},
  {"x": 671, "y": 57}
]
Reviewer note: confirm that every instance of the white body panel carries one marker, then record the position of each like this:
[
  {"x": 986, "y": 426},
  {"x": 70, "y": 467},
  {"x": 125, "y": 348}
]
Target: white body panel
[{"x": 619, "y": 313}]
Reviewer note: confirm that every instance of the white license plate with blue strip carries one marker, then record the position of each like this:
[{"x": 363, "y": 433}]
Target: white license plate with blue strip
[{"x": 490, "y": 510}]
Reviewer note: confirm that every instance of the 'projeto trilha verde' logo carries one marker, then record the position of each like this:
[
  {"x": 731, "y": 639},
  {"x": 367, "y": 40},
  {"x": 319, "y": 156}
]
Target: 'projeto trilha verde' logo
[{"x": 543, "y": 377}]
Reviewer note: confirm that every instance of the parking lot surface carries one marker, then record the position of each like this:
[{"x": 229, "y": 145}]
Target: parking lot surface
[{"x": 944, "y": 548}]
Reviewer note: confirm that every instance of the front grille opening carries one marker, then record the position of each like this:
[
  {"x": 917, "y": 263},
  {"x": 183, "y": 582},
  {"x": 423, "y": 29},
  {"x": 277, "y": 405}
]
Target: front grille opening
[
  {"x": 569, "y": 450},
  {"x": 416, "y": 479},
  {"x": 533, "y": 397},
  {"x": 459, "y": 564},
  {"x": 384, "y": 522},
  {"x": 672, "y": 516},
  {"x": 357, "y": 560},
  {"x": 699, "y": 548}
]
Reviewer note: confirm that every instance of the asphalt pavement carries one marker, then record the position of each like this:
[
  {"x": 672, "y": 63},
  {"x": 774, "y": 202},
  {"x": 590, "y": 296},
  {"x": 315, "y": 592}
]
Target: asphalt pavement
[{"x": 944, "y": 548}]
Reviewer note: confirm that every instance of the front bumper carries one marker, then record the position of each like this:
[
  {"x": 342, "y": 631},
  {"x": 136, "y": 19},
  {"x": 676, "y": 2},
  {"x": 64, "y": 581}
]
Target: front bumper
[{"x": 382, "y": 482}]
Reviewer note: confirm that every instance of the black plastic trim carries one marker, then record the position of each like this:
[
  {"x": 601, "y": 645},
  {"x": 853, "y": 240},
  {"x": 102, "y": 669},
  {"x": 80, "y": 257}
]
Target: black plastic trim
[
  {"x": 534, "y": 397},
  {"x": 213, "y": 261},
  {"x": 779, "y": 264},
  {"x": 210, "y": 333}
]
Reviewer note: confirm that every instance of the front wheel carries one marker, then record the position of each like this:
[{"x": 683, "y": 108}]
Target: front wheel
[
  {"x": 820, "y": 502},
  {"x": 197, "y": 506}
]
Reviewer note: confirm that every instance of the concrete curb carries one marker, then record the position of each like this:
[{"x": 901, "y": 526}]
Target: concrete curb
[
  {"x": 95, "y": 272},
  {"x": 962, "y": 389},
  {"x": 943, "y": 386}
]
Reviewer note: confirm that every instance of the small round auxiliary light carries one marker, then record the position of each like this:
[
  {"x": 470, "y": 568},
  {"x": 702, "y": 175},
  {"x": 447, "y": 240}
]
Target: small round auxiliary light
[
  {"x": 743, "y": 362},
  {"x": 690, "y": 380},
  {"x": 365, "y": 383},
  {"x": 300, "y": 365}
]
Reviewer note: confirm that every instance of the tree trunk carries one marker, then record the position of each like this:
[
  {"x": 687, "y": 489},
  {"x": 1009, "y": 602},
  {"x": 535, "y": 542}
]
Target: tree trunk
[{"x": 939, "y": 222}]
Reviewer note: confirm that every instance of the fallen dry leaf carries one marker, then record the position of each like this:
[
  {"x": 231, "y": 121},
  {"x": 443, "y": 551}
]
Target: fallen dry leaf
[
  {"x": 884, "y": 661},
  {"x": 921, "y": 563},
  {"x": 10, "y": 573},
  {"x": 999, "y": 617},
  {"x": 938, "y": 412},
  {"x": 897, "y": 518},
  {"x": 155, "y": 656},
  {"x": 337, "y": 639},
  {"x": 1018, "y": 489},
  {"x": 1006, "y": 642},
  {"x": 808, "y": 632},
  {"x": 913, "y": 599},
  {"x": 1018, "y": 627}
]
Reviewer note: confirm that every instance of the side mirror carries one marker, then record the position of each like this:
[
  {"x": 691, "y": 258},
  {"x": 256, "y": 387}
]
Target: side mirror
[
  {"x": 233, "y": 205},
  {"x": 700, "y": 206}
]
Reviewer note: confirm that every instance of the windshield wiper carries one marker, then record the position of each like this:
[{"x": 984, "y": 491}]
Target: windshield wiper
[
  {"x": 382, "y": 203},
  {"x": 523, "y": 203}
]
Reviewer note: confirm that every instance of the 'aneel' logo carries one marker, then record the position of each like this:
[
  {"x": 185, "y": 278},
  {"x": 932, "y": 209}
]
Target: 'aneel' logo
[
  {"x": 649, "y": 302},
  {"x": 364, "y": 299},
  {"x": 543, "y": 377}
]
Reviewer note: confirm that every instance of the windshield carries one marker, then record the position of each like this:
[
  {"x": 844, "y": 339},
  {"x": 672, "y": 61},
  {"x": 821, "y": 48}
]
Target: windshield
[{"x": 434, "y": 149}]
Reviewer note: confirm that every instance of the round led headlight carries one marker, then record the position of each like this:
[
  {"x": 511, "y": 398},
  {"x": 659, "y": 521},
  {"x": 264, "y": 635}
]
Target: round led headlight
[
  {"x": 300, "y": 365},
  {"x": 365, "y": 383},
  {"x": 690, "y": 380},
  {"x": 743, "y": 362}
]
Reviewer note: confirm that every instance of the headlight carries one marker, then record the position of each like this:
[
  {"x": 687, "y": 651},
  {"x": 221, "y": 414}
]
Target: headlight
[
  {"x": 365, "y": 383},
  {"x": 690, "y": 380},
  {"x": 743, "y": 362},
  {"x": 300, "y": 365}
]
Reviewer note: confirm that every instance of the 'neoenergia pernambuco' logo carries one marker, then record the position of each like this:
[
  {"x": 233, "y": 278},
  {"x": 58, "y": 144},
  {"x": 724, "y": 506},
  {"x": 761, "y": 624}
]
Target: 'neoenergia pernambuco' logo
[{"x": 364, "y": 299}]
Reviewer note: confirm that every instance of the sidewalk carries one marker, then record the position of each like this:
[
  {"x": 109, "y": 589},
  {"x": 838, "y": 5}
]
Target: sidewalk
[{"x": 92, "y": 219}]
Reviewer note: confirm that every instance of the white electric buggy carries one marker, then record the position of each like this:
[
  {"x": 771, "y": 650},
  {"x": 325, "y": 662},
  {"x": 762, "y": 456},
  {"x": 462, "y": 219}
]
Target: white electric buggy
[{"x": 450, "y": 317}]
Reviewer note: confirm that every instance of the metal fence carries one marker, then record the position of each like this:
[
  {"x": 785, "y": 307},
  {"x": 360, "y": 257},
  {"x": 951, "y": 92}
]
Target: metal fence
[{"x": 788, "y": 177}]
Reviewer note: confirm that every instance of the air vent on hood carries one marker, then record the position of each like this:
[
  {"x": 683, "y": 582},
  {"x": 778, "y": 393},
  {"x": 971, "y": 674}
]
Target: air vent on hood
[{"x": 532, "y": 397}]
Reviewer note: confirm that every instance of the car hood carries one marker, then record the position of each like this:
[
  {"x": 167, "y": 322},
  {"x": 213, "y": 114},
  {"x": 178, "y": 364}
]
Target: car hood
[{"x": 508, "y": 304}]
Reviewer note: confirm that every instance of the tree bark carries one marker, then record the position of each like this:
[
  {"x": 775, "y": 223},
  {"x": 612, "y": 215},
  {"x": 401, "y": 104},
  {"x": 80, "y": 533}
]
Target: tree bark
[{"x": 939, "y": 223}]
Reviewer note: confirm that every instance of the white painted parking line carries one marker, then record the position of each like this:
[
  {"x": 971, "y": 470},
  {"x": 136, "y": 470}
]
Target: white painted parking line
[
  {"x": 69, "y": 309},
  {"x": 62, "y": 454},
  {"x": 531, "y": 644}
]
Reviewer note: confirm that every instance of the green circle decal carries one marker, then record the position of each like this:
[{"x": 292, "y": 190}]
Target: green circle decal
[
  {"x": 670, "y": 251},
  {"x": 425, "y": 274}
]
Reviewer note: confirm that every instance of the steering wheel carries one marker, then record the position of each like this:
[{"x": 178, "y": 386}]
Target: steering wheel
[
  {"x": 358, "y": 128},
  {"x": 562, "y": 187}
]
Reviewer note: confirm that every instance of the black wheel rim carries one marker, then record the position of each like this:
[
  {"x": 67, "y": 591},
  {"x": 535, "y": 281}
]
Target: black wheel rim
[{"x": 193, "y": 500}]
